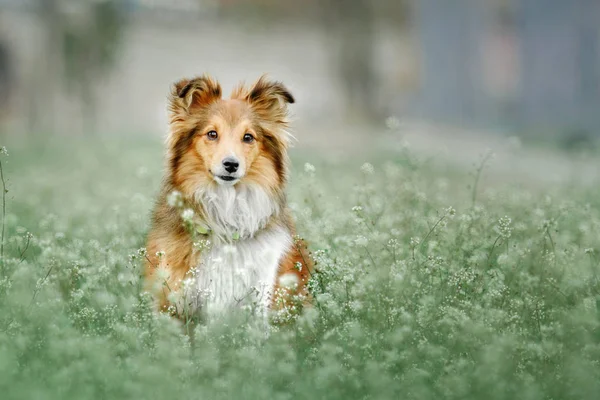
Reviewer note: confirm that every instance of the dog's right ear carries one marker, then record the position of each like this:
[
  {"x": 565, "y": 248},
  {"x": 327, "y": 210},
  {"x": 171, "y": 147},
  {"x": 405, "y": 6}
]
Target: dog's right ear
[{"x": 188, "y": 94}]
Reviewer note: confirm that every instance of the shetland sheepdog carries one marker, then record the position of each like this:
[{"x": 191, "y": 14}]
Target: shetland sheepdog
[{"x": 222, "y": 235}]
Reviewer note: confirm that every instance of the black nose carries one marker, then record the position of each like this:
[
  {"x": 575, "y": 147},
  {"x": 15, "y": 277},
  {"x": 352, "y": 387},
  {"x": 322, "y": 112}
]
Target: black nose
[{"x": 231, "y": 164}]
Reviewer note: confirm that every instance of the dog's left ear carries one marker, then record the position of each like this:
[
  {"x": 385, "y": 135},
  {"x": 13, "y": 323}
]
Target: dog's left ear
[{"x": 270, "y": 98}]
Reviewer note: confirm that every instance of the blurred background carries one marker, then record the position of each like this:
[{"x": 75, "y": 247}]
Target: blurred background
[{"x": 460, "y": 75}]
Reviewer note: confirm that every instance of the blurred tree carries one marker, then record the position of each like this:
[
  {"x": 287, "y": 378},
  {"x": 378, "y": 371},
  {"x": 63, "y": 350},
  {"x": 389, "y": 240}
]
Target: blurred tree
[
  {"x": 90, "y": 44},
  {"x": 81, "y": 42},
  {"x": 6, "y": 80},
  {"x": 353, "y": 29},
  {"x": 351, "y": 24},
  {"x": 45, "y": 85}
]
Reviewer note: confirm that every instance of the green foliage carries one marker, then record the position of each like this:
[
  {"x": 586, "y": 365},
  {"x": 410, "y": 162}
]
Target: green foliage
[
  {"x": 91, "y": 41},
  {"x": 419, "y": 293}
]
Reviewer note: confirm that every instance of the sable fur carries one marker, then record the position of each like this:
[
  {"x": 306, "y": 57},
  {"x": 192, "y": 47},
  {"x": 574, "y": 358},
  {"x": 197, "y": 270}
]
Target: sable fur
[{"x": 196, "y": 105}]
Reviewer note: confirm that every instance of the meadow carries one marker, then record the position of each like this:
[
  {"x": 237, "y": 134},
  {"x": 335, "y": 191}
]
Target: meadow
[{"x": 431, "y": 283}]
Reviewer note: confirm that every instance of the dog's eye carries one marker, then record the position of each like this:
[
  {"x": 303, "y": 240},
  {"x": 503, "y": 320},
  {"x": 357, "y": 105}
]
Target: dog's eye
[
  {"x": 212, "y": 135},
  {"x": 248, "y": 138}
]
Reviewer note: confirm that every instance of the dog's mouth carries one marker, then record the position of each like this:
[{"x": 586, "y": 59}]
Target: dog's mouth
[{"x": 228, "y": 179}]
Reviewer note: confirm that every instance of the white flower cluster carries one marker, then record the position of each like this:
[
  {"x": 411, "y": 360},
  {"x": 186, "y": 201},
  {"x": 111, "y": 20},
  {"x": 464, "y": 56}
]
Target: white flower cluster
[
  {"x": 309, "y": 169},
  {"x": 367, "y": 169},
  {"x": 175, "y": 199},
  {"x": 504, "y": 228},
  {"x": 187, "y": 215}
]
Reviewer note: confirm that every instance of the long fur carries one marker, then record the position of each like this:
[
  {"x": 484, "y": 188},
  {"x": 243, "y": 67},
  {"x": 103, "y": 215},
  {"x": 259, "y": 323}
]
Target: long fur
[
  {"x": 242, "y": 210},
  {"x": 234, "y": 274},
  {"x": 248, "y": 225}
]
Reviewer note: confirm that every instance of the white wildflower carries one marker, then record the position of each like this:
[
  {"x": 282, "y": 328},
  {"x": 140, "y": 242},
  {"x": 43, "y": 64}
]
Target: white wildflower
[
  {"x": 289, "y": 281},
  {"x": 142, "y": 172},
  {"x": 503, "y": 228},
  {"x": 414, "y": 241},
  {"x": 187, "y": 215},
  {"x": 367, "y": 168},
  {"x": 174, "y": 199},
  {"x": 503, "y": 259},
  {"x": 392, "y": 123},
  {"x": 162, "y": 274},
  {"x": 355, "y": 305},
  {"x": 361, "y": 241},
  {"x": 309, "y": 168},
  {"x": 202, "y": 245}
]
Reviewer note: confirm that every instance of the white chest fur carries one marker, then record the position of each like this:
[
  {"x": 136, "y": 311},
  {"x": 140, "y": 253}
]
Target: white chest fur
[
  {"x": 238, "y": 273},
  {"x": 243, "y": 272},
  {"x": 230, "y": 272},
  {"x": 241, "y": 210}
]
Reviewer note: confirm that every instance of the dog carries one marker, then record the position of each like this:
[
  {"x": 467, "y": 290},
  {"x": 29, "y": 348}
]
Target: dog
[{"x": 222, "y": 235}]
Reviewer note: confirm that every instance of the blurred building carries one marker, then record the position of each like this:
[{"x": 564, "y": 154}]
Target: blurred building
[
  {"x": 532, "y": 62},
  {"x": 521, "y": 63}
]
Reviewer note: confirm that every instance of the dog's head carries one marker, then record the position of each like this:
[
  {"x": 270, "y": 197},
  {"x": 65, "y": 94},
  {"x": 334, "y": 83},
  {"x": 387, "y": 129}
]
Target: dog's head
[{"x": 216, "y": 141}]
